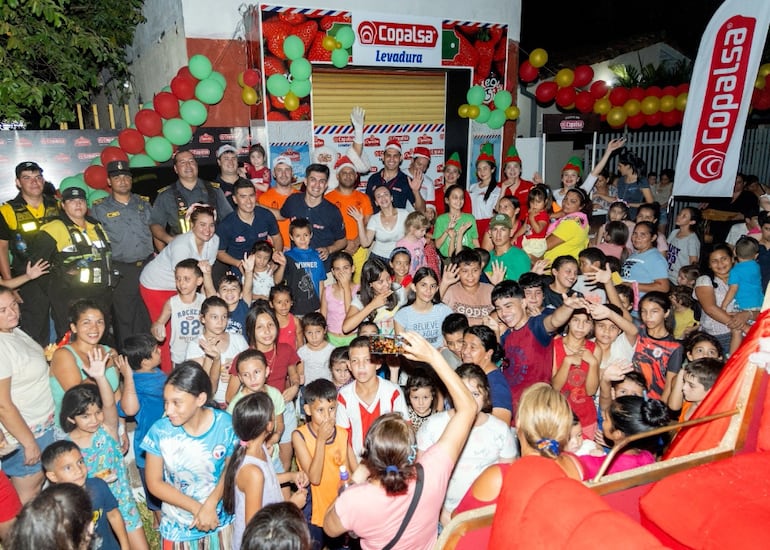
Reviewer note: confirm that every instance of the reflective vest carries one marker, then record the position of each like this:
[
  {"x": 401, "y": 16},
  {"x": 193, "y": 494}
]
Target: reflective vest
[
  {"x": 182, "y": 206},
  {"x": 27, "y": 225},
  {"x": 86, "y": 262}
]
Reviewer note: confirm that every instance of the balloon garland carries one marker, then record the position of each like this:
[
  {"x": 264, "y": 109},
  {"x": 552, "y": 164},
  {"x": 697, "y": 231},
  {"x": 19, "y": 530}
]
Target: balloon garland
[{"x": 494, "y": 118}]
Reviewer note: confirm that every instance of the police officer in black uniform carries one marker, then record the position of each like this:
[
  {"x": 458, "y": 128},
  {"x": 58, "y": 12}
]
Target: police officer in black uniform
[
  {"x": 125, "y": 218},
  {"x": 20, "y": 219}
]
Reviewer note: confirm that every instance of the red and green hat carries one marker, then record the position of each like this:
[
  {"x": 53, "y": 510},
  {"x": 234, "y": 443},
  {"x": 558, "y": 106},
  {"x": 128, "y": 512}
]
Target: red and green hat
[
  {"x": 574, "y": 163},
  {"x": 454, "y": 160},
  {"x": 487, "y": 154},
  {"x": 512, "y": 156}
]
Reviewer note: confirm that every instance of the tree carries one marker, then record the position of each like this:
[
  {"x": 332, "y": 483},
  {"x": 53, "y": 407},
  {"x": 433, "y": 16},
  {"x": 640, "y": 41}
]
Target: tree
[{"x": 55, "y": 54}]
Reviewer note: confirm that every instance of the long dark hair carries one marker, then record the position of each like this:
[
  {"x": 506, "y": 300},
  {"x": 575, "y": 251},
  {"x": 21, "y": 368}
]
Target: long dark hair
[
  {"x": 258, "y": 308},
  {"x": 190, "y": 377},
  {"x": 419, "y": 275},
  {"x": 488, "y": 339},
  {"x": 492, "y": 181},
  {"x": 632, "y": 414},
  {"x": 661, "y": 299},
  {"x": 389, "y": 453},
  {"x": 251, "y": 417},
  {"x": 373, "y": 268},
  {"x": 75, "y": 402},
  {"x": 585, "y": 203}
]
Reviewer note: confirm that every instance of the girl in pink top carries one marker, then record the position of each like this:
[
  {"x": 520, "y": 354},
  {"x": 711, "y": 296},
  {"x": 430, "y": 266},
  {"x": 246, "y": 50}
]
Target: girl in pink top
[
  {"x": 289, "y": 327},
  {"x": 336, "y": 298}
]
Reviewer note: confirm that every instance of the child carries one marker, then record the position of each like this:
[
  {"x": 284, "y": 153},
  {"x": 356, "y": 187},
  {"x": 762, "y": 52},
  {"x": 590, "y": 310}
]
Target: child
[
  {"x": 421, "y": 398},
  {"x": 263, "y": 279},
  {"x": 339, "y": 365},
  {"x": 510, "y": 207},
  {"x": 745, "y": 282},
  {"x": 618, "y": 212},
  {"x": 532, "y": 236},
  {"x": 614, "y": 240},
  {"x": 688, "y": 275},
  {"x": 256, "y": 170},
  {"x": 142, "y": 354},
  {"x": 591, "y": 261},
  {"x": 183, "y": 310},
  {"x": 322, "y": 447},
  {"x": 63, "y": 463},
  {"x": 470, "y": 297},
  {"x": 626, "y": 416},
  {"x": 425, "y": 313},
  {"x": 684, "y": 242},
  {"x": 416, "y": 225},
  {"x": 236, "y": 296},
  {"x": 90, "y": 418},
  {"x": 533, "y": 286},
  {"x": 361, "y": 402},
  {"x": 564, "y": 271},
  {"x": 693, "y": 384},
  {"x": 301, "y": 268},
  {"x": 250, "y": 479},
  {"x": 400, "y": 261},
  {"x": 377, "y": 299},
  {"x": 316, "y": 351},
  {"x": 684, "y": 315},
  {"x": 187, "y": 453},
  {"x": 336, "y": 297},
  {"x": 453, "y": 330},
  {"x": 576, "y": 369},
  {"x": 505, "y": 260},
  {"x": 577, "y": 444},
  {"x": 701, "y": 344},
  {"x": 455, "y": 229},
  {"x": 216, "y": 348},
  {"x": 289, "y": 326}
]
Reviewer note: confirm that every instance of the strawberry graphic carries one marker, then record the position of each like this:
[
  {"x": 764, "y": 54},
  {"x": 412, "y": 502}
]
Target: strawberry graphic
[
  {"x": 328, "y": 21},
  {"x": 276, "y": 116},
  {"x": 273, "y": 65},
  {"x": 486, "y": 50},
  {"x": 467, "y": 56},
  {"x": 301, "y": 113},
  {"x": 291, "y": 18},
  {"x": 277, "y": 102},
  {"x": 306, "y": 32},
  {"x": 501, "y": 50},
  {"x": 317, "y": 51},
  {"x": 275, "y": 32}
]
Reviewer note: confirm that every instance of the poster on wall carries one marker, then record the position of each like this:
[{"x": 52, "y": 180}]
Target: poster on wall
[
  {"x": 389, "y": 40},
  {"x": 479, "y": 139}
]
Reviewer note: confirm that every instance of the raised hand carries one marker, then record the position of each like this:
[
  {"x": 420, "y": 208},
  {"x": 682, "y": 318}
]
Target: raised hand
[
  {"x": 381, "y": 299},
  {"x": 210, "y": 348},
  {"x": 498, "y": 273},
  {"x": 602, "y": 276},
  {"x": 39, "y": 268},
  {"x": 417, "y": 348},
  {"x": 97, "y": 362},
  {"x": 616, "y": 144},
  {"x": 204, "y": 266},
  {"x": 125, "y": 369},
  {"x": 540, "y": 266},
  {"x": 416, "y": 182},
  {"x": 279, "y": 257},
  {"x": 575, "y": 302},
  {"x": 247, "y": 264},
  {"x": 451, "y": 274}
]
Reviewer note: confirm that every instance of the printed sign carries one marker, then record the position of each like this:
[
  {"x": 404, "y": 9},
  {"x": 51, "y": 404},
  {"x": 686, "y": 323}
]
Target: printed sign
[{"x": 387, "y": 40}]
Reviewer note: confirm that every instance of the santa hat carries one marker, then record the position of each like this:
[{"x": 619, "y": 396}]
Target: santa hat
[
  {"x": 574, "y": 163},
  {"x": 421, "y": 152},
  {"x": 344, "y": 162},
  {"x": 512, "y": 155},
  {"x": 393, "y": 144},
  {"x": 454, "y": 160},
  {"x": 487, "y": 154}
]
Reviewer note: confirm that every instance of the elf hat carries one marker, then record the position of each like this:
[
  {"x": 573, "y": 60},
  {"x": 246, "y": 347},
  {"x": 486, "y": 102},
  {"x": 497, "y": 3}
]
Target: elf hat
[
  {"x": 487, "y": 154},
  {"x": 574, "y": 163},
  {"x": 454, "y": 160},
  {"x": 512, "y": 155}
]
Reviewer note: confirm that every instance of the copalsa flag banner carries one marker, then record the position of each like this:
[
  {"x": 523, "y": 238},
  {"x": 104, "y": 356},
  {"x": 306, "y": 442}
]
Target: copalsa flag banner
[{"x": 718, "y": 101}]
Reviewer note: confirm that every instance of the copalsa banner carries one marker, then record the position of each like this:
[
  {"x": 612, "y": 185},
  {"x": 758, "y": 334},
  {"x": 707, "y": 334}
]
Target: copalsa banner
[{"x": 718, "y": 101}]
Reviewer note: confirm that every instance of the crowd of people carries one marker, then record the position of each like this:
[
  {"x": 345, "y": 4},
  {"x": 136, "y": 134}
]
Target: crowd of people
[{"x": 347, "y": 367}]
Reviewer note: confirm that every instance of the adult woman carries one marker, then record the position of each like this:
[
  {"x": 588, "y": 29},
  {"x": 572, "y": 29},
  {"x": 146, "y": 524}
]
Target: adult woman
[
  {"x": 391, "y": 476},
  {"x": 513, "y": 185},
  {"x": 485, "y": 192},
  {"x": 661, "y": 192},
  {"x": 452, "y": 172},
  {"x": 385, "y": 228},
  {"x": 710, "y": 292},
  {"x": 569, "y": 235},
  {"x": 26, "y": 405},
  {"x": 730, "y": 209},
  {"x": 481, "y": 347},
  {"x": 646, "y": 266},
  {"x": 632, "y": 185}
]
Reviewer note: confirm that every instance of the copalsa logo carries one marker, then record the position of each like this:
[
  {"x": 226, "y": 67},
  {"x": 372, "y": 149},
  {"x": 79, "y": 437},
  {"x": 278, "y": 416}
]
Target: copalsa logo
[{"x": 389, "y": 33}]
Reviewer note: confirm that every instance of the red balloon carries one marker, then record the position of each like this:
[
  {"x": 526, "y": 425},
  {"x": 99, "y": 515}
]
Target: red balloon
[
  {"x": 131, "y": 141},
  {"x": 670, "y": 90},
  {"x": 653, "y": 119},
  {"x": 619, "y": 96},
  {"x": 96, "y": 176},
  {"x": 669, "y": 119},
  {"x": 166, "y": 104},
  {"x": 599, "y": 89},
  {"x": 183, "y": 88},
  {"x": 635, "y": 122},
  {"x": 583, "y": 75},
  {"x": 112, "y": 153},
  {"x": 761, "y": 100},
  {"x": 250, "y": 77},
  {"x": 584, "y": 102},
  {"x": 528, "y": 72},
  {"x": 546, "y": 91},
  {"x": 148, "y": 122},
  {"x": 683, "y": 88},
  {"x": 184, "y": 72},
  {"x": 565, "y": 97},
  {"x": 655, "y": 90},
  {"x": 636, "y": 93}
]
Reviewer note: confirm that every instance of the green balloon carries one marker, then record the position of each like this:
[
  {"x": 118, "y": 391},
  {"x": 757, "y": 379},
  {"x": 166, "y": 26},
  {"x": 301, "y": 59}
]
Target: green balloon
[
  {"x": 166, "y": 89},
  {"x": 149, "y": 106},
  {"x": 200, "y": 66},
  {"x": 496, "y": 119},
  {"x": 484, "y": 113},
  {"x": 209, "y": 91},
  {"x": 475, "y": 95},
  {"x": 158, "y": 149},
  {"x": 345, "y": 36},
  {"x": 72, "y": 181},
  {"x": 503, "y": 99},
  {"x": 219, "y": 77},
  {"x": 340, "y": 58},
  {"x": 278, "y": 85},
  {"x": 293, "y": 47},
  {"x": 93, "y": 195},
  {"x": 141, "y": 161},
  {"x": 115, "y": 143},
  {"x": 96, "y": 161},
  {"x": 300, "y": 88},
  {"x": 193, "y": 112},
  {"x": 300, "y": 69},
  {"x": 177, "y": 131}
]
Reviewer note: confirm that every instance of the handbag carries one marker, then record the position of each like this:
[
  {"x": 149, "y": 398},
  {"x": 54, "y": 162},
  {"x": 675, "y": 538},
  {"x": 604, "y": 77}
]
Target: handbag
[{"x": 410, "y": 510}]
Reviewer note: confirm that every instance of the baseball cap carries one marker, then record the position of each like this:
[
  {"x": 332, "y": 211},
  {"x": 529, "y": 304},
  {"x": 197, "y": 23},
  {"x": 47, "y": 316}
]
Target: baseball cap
[
  {"x": 117, "y": 168},
  {"x": 282, "y": 159},
  {"x": 500, "y": 219},
  {"x": 27, "y": 166},
  {"x": 227, "y": 148},
  {"x": 73, "y": 193}
]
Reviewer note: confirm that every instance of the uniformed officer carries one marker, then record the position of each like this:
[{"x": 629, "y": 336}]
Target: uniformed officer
[
  {"x": 125, "y": 217},
  {"x": 80, "y": 255},
  {"x": 20, "y": 220},
  {"x": 168, "y": 212},
  {"x": 227, "y": 160}
]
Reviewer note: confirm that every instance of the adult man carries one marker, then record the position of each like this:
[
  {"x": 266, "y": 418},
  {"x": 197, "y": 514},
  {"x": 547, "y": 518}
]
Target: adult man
[
  {"x": 168, "y": 212},
  {"x": 21, "y": 219},
  {"x": 405, "y": 190},
  {"x": 125, "y": 217},
  {"x": 245, "y": 226},
  {"x": 227, "y": 159},
  {"x": 355, "y": 153},
  {"x": 419, "y": 164},
  {"x": 514, "y": 261},
  {"x": 80, "y": 256},
  {"x": 326, "y": 219},
  {"x": 274, "y": 197}
]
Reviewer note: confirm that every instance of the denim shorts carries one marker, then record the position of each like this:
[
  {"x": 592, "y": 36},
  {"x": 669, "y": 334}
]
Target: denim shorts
[
  {"x": 13, "y": 464},
  {"x": 289, "y": 422}
]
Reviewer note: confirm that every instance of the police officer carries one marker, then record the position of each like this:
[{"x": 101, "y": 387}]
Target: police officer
[
  {"x": 168, "y": 213},
  {"x": 20, "y": 220},
  {"x": 125, "y": 217},
  {"x": 80, "y": 255}
]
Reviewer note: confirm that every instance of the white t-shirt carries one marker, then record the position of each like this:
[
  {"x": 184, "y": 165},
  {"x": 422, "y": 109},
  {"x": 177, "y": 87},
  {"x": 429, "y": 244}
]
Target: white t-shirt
[
  {"x": 159, "y": 273},
  {"x": 481, "y": 209},
  {"x": 316, "y": 362},
  {"x": 236, "y": 345},
  {"x": 185, "y": 326},
  {"x": 385, "y": 239}
]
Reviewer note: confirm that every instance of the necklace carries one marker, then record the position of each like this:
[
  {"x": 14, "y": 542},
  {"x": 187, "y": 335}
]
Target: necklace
[{"x": 270, "y": 362}]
